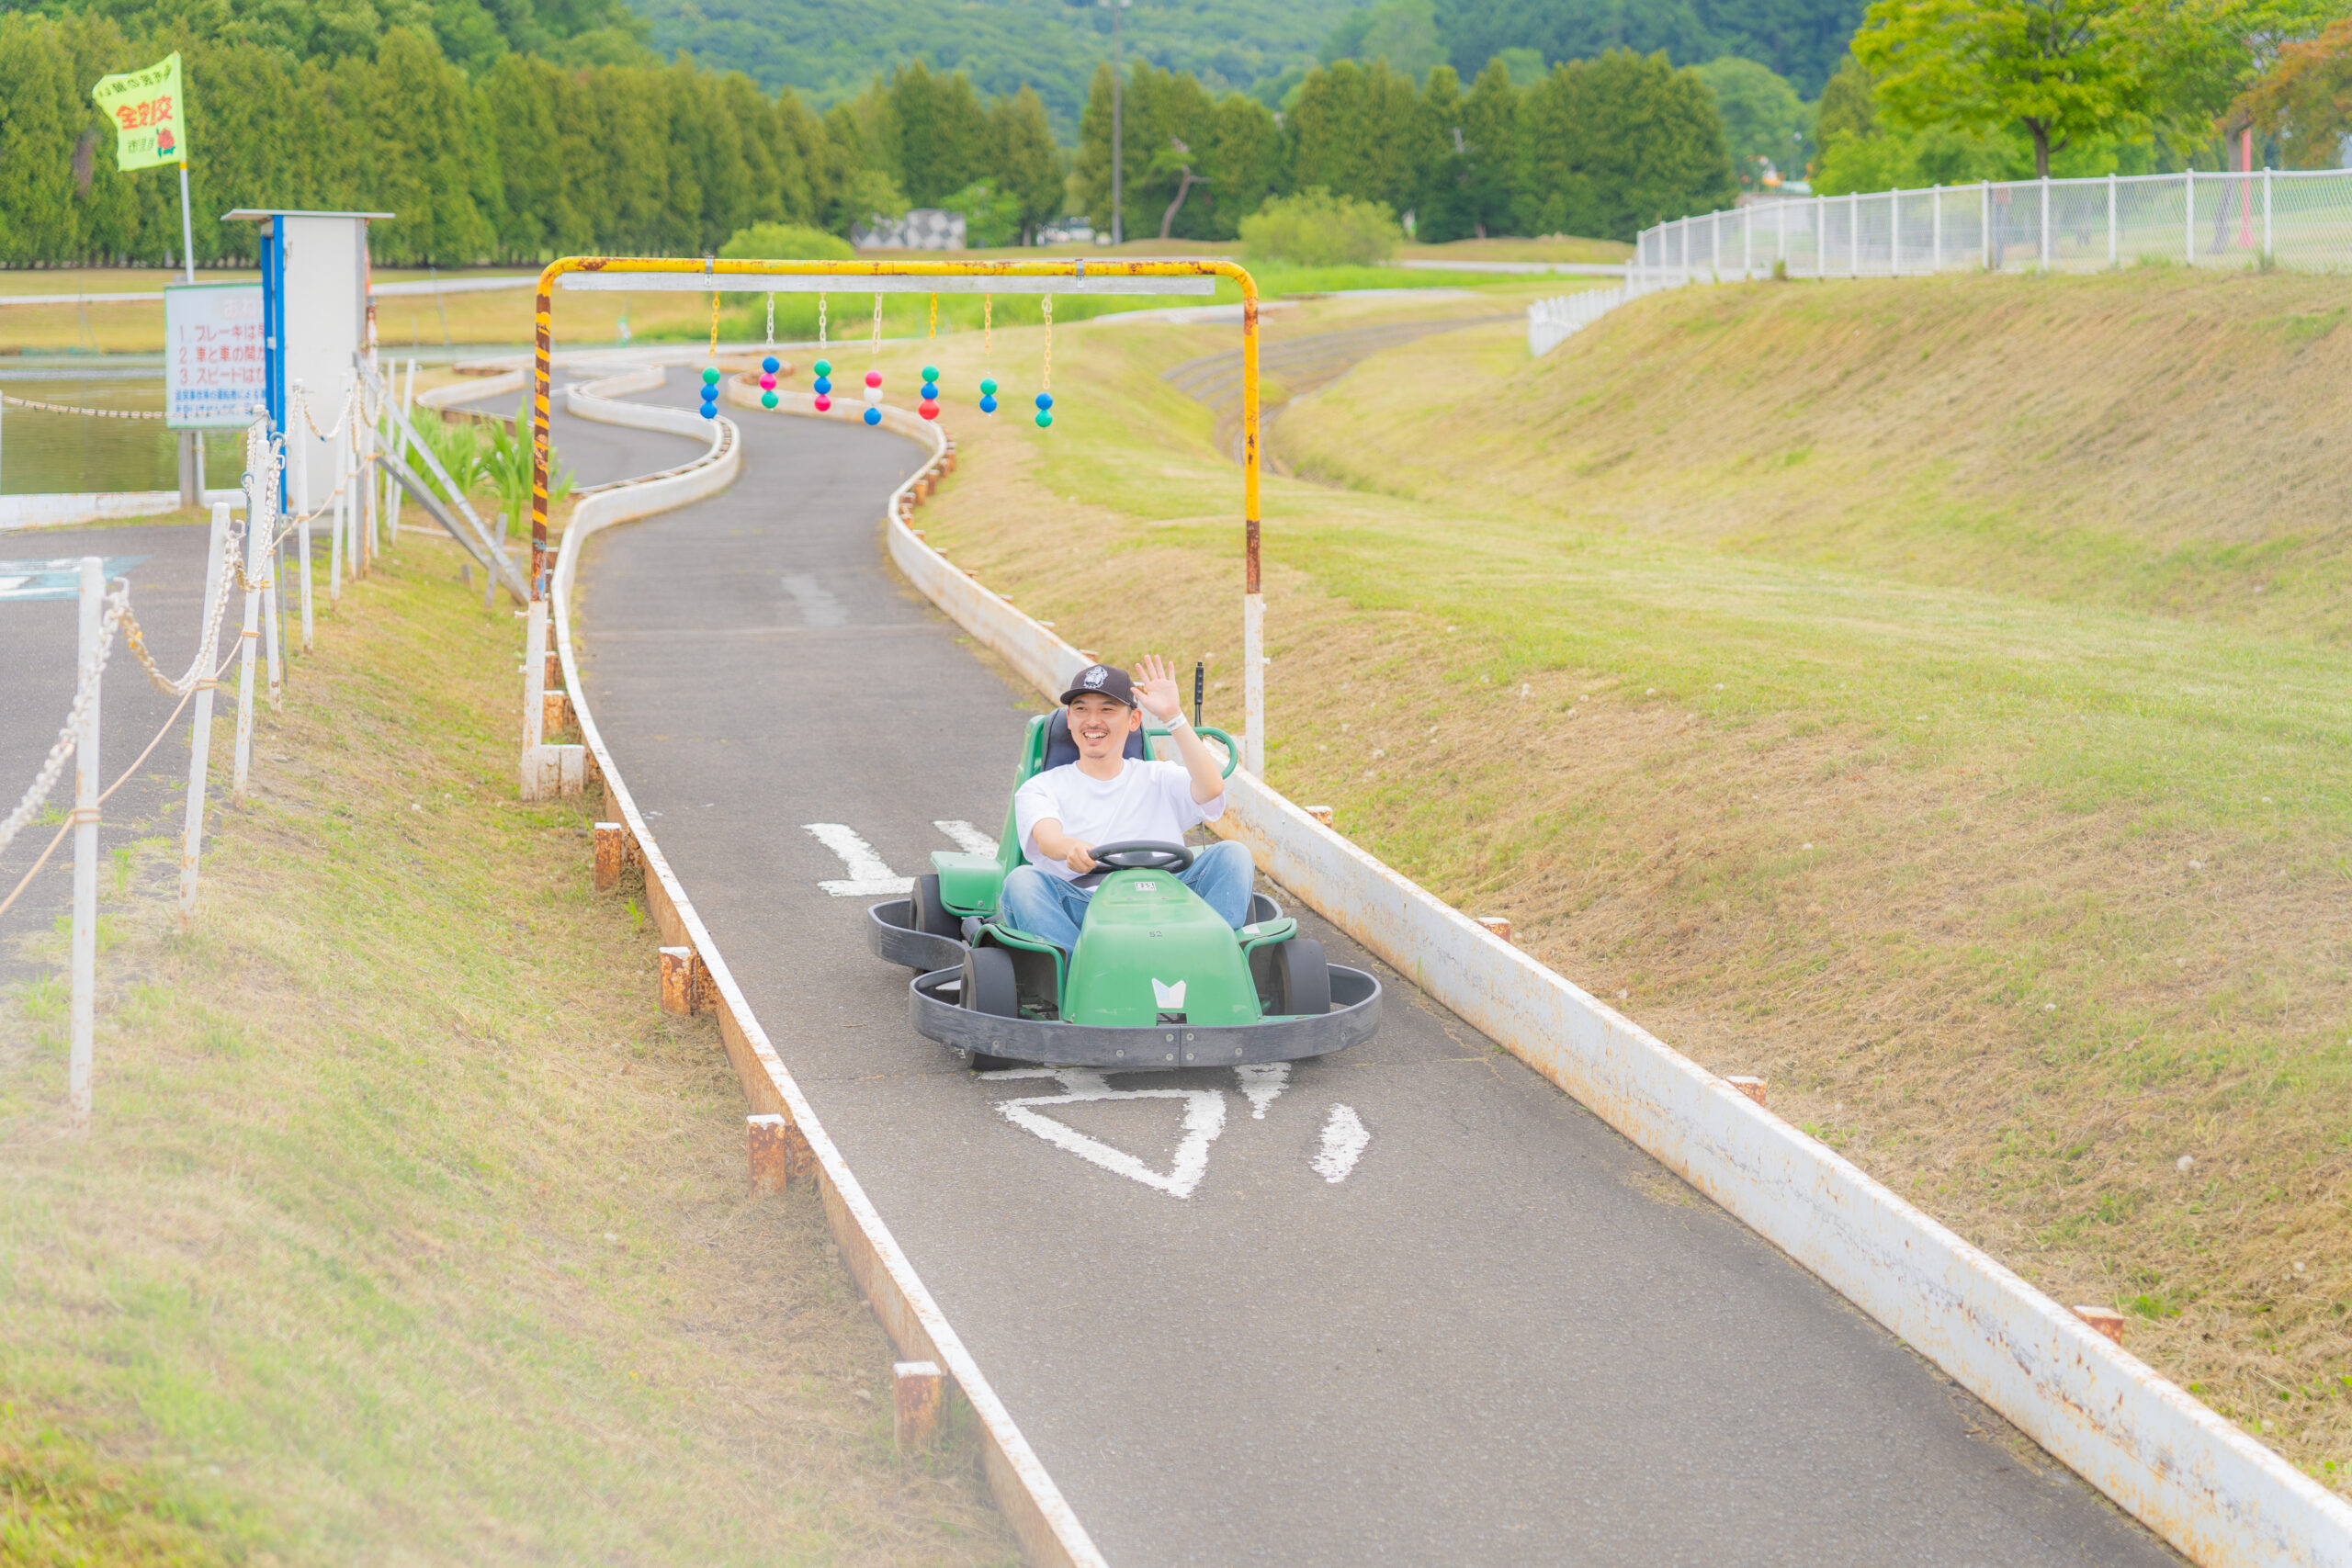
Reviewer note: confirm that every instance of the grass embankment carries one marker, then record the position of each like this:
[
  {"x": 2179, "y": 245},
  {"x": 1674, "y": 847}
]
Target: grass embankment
[
  {"x": 1996, "y": 812},
  {"x": 408, "y": 1229}
]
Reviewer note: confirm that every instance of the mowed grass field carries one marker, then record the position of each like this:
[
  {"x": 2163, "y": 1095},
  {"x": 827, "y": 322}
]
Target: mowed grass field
[
  {"x": 1930, "y": 696},
  {"x": 409, "y": 1230}
]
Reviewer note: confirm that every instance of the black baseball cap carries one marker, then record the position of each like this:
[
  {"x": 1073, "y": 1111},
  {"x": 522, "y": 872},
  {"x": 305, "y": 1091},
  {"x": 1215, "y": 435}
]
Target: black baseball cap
[{"x": 1102, "y": 681}]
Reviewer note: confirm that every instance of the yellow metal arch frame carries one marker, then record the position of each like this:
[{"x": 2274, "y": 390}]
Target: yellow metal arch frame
[{"x": 849, "y": 272}]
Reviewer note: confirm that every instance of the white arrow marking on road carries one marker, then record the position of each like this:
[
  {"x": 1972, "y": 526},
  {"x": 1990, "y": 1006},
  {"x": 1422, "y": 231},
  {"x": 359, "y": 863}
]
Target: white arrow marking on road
[
  {"x": 1263, "y": 1083},
  {"x": 1203, "y": 1120},
  {"x": 868, "y": 876},
  {"x": 1343, "y": 1139},
  {"x": 968, "y": 839}
]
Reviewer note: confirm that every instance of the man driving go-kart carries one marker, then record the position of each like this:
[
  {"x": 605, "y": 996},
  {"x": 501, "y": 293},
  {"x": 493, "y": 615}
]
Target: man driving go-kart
[{"x": 1107, "y": 797}]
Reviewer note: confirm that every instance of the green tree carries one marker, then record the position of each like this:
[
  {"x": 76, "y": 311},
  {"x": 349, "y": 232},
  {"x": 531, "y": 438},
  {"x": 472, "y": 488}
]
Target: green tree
[
  {"x": 2306, "y": 98},
  {"x": 1467, "y": 192},
  {"x": 1763, "y": 117},
  {"x": 1023, "y": 161},
  {"x": 2057, "y": 69},
  {"x": 1314, "y": 228},
  {"x": 1360, "y": 130},
  {"x": 1612, "y": 145}
]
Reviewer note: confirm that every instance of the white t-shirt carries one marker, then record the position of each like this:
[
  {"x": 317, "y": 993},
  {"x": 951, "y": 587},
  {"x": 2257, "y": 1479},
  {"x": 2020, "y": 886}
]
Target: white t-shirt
[{"x": 1150, "y": 801}]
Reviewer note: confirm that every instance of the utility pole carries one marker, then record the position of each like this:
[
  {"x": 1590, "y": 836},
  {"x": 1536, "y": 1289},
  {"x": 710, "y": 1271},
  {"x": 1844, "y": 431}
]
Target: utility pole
[{"x": 1118, "y": 149}]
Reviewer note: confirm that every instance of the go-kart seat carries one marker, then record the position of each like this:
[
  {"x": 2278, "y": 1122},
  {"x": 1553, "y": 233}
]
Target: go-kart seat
[{"x": 1060, "y": 747}]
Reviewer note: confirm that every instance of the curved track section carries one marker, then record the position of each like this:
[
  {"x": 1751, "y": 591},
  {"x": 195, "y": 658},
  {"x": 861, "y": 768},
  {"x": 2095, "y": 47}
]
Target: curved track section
[{"x": 1408, "y": 1302}]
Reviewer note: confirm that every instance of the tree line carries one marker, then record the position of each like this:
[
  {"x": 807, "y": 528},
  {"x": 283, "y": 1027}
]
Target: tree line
[{"x": 525, "y": 159}]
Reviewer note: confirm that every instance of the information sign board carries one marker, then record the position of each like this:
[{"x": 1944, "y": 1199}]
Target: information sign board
[{"x": 214, "y": 370}]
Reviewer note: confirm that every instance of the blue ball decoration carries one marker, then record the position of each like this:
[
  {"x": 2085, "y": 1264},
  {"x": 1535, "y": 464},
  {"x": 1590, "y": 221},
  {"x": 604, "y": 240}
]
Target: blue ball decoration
[
  {"x": 873, "y": 415},
  {"x": 710, "y": 375},
  {"x": 771, "y": 365},
  {"x": 1045, "y": 400},
  {"x": 823, "y": 386},
  {"x": 1044, "y": 418},
  {"x": 709, "y": 411},
  {"x": 767, "y": 399},
  {"x": 930, "y": 388},
  {"x": 988, "y": 405}
]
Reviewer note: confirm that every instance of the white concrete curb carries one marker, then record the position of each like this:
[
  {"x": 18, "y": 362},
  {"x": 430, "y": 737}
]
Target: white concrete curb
[
  {"x": 2189, "y": 1475},
  {"x": 63, "y": 508},
  {"x": 1049, "y": 1532}
]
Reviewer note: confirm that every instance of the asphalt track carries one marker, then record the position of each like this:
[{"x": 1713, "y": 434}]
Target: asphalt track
[{"x": 1504, "y": 1336}]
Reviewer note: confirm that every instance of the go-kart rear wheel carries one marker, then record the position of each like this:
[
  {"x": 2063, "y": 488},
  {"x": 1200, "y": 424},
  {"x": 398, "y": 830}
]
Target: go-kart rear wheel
[
  {"x": 989, "y": 988},
  {"x": 930, "y": 913},
  {"x": 1302, "y": 980}
]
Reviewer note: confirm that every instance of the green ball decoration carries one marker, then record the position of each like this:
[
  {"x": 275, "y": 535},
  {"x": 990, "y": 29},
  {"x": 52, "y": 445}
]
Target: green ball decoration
[
  {"x": 710, "y": 375},
  {"x": 823, "y": 367},
  {"x": 1045, "y": 418},
  {"x": 930, "y": 372},
  {"x": 987, "y": 386},
  {"x": 767, "y": 399}
]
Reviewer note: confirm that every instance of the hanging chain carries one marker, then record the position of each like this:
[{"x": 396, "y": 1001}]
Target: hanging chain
[
  {"x": 934, "y": 317},
  {"x": 987, "y": 331},
  {"x": 1045, "y": 369},
  {"x": 877, "y": 326},
  {"x": 714, "y": 323},
  {"x": 771, "y": 318},
  {"x": 821, "y": 318}
]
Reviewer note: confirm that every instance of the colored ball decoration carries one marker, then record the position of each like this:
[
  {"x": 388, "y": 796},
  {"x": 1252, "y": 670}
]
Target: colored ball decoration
[
  {"x": 771, "y": 365},
  {"x": 1045, "y": 411},
  {"x": 988, "y": 394},
  {"x": 873, "y": 379},
  {"x": 823, "y": 367},
  {"x": 710, "y": 375},
  {"x": 767, "y": 399},
  {"x": 824, "y": 403},
  {"x": 929, "y": 406},
  {"x": 988, "y": 405},
  {"x": 873, "y": 416},
  {"x": 710, "y": 393},
  {"x": 930, "y": 372},
  {"x": 823, "y": 386}
]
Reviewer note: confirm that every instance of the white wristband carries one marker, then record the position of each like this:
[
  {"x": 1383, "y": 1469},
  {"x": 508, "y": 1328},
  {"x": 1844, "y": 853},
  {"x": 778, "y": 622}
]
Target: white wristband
[{"x": 1179, "y": 722}]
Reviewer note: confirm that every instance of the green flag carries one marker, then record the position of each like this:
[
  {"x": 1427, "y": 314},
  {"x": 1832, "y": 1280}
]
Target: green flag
[{"x": 150, "y": 116}]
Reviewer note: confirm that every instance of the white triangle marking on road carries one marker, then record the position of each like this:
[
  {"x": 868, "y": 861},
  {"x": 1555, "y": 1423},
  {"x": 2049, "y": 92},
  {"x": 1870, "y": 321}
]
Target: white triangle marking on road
[
  {"x": 968, "y": 839},
  {"x": 869, "y": 875},
  {"x": 1203, "y": 1120},
  {"x": 1344, "y": 1138}
]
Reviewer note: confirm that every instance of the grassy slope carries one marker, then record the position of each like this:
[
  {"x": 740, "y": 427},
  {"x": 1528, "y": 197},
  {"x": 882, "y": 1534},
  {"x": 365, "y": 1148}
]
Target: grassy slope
[
  {"x": 410, "y": 1230},
  {"x": 2018, "y": 899}
]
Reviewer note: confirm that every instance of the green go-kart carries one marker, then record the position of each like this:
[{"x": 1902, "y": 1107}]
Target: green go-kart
[{"x": 1157, "y": 980}]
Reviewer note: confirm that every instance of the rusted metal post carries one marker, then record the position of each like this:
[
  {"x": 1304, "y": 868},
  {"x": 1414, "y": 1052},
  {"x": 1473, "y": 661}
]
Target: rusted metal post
[
  {"x": 1320, "y": 812},
  {"x": 771, "y": 1137},
  {"x": 1497, "y": 925},
  {"x": 612, "y": 853},
  {"x": 1253, "y": 603},
  {"x": 216, "y": 600},
  {"x": 84, "y": 957},
  {"x": 2106, "y": 1320},
  {"x": 1752, "y": 1088},
  {"x": 678, "y": 981},
  {"x": 916, "y": 1427}
]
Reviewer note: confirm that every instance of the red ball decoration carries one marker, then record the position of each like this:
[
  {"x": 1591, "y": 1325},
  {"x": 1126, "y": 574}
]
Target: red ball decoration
[
  {"x": 874, "y": 377},
  {"x": 928, "y": 408},
  {"x": 824, "y": 403}
]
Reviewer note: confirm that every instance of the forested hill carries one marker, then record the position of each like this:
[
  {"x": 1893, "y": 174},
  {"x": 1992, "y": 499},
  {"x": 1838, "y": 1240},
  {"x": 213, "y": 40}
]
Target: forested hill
[{"x": 828, "y": 49}]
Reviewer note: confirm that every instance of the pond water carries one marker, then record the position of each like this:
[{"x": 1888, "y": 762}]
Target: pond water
[{"x": 42, "y": 452}]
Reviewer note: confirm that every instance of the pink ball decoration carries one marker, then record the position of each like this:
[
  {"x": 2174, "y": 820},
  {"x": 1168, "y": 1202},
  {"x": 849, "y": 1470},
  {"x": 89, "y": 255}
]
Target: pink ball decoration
[
  {"x": 824, "y": 403},
  {"x": 767, "y": 383},
  {"x": 928, "y": 408},
  {"x": 874, "y": 377}
]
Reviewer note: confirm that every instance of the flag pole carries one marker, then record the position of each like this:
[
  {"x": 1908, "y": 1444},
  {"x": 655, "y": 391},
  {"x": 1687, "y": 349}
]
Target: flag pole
[{"x": 187, "y": 230}]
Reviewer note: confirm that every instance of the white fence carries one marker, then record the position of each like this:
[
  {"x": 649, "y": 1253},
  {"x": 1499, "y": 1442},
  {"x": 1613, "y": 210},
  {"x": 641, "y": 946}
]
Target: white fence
[
  {"x": 1549, "y": 321},
  {"x": 2296, "y": 218}
]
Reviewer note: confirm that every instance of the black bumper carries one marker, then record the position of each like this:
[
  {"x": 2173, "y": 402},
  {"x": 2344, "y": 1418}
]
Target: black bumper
[
  {"x": 1354, "y": 1015},
  {"x": 889, "y": 932}
]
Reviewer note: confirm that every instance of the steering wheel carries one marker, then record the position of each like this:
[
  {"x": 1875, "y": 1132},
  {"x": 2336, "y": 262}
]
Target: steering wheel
[{"x": 1136, "y": 855}]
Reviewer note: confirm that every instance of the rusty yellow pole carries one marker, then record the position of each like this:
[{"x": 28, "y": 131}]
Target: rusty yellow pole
[{"x": 1252, "y": 599}]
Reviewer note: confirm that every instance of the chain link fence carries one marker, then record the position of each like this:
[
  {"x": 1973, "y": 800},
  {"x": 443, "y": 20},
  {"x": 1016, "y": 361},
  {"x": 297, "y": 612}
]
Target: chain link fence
[{"x": 2300, "y": 218}]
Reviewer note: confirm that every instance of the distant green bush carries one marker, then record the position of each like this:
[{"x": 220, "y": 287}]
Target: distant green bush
[
  {"x": 784, "y": 241},
  {"x": 1318, "y": 228}
]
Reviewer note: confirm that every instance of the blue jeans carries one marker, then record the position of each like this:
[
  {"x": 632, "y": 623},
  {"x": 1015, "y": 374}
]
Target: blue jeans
[{"x": 1045, "y": 906}]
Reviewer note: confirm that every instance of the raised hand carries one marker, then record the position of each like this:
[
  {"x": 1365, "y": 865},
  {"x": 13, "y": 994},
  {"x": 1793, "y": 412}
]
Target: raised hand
[{"x": 1155, "y": 684}]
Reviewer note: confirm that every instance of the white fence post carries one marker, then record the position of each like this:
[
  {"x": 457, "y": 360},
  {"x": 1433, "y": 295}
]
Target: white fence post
[
  {"x": 1986, "y": 186},
  {"x": 1748, "y": 243},
  {"x": 2045, "y": 223},
  {"x": 1894, "y": 233},
  {"x": 2188, "y": 213},
  {"x": 245, "y": 662},
  {"x": 85, "y": 949},
  {"x": 298, "y": 449},
  {"x": 1936, "y": 261},
  {"x": 2266, "y": 251},
  {"x": 216, "y": 600},
  {"x": 1854, "y": 235},
  {"x": 1783, "y": 208}
]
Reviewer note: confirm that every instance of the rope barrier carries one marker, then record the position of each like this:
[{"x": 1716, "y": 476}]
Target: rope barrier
[{"x": 94, "y": 414}]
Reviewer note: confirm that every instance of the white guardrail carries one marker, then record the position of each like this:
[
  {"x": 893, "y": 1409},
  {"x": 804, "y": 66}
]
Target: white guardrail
[
  {"x": 2191, "y": 1477},
  {"x": 1040, "y": 1519}
]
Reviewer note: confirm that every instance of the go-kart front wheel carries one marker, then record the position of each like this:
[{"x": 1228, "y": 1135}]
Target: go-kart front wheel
[
  {"x": 932, "y": 914},
  {"x": 989, "y": 988},
  {"x": 1302, "y": 981}
]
